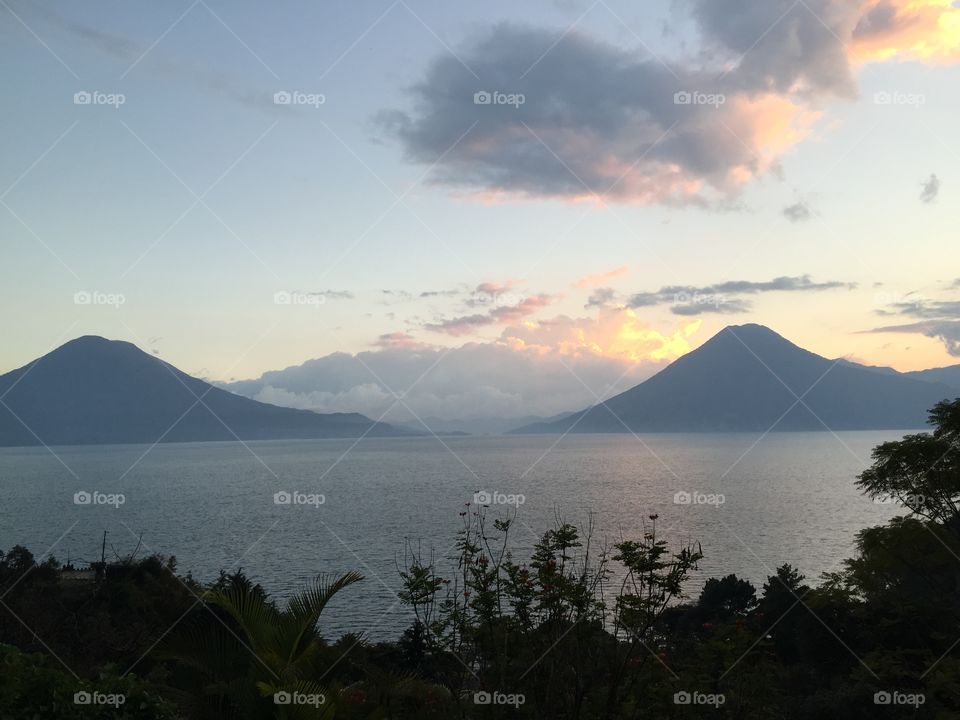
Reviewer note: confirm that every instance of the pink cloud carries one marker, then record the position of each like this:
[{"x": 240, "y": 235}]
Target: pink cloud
[{"x": 588, "y": 281}]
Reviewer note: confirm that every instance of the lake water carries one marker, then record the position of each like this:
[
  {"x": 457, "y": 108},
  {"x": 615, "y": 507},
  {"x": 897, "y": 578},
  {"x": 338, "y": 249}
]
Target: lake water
[{"x": 787, "y": 497}]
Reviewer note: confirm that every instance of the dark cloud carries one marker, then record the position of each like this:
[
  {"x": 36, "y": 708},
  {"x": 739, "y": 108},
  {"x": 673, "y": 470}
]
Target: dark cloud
[
  {"x": 931, "y": 189},
  {"x": 946, "y": 331},
  {"x": 709, "y": 305},
  {"x": 497, "y": 315},
  {"x": 936, "y": 319},
  {"x": 878, "y": 20},
  {"x": 797, "y": 212},
  {"x": 930, "y": 310},
  {"x": 600, "y": 296},
  {"x": 594, "y": 118},
  {"x": 779, "y": 284},
  {"x": 782, "y": 46},
  {"x": 720, "y": 297}
]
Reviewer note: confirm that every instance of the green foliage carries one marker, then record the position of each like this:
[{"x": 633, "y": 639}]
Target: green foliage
[
  {"x": 250, "y": 659},
  {"x": 33, "y": 686}
]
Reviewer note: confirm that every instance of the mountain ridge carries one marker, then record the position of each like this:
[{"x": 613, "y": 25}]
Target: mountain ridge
[
  {"x": 750, "y": 378},
  {"x": 92, "y": 390}
]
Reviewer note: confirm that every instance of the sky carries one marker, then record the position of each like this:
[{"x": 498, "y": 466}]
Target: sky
[{"x": 516, "y": 207}]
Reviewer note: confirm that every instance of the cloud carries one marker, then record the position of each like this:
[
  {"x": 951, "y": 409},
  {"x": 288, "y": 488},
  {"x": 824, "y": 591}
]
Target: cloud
[
  {"x": 931, "y": 189},
  {"x": 533, "y": 368},
  {"x": 614, "y": 332},
  {"x": 588, "y": 281},
  {"x": 926, "y": 30},
  {"x": 595, "y": 120},
  {"x": 797, "y": 212},
  {"x": 398, "y": 340},
  {"x": 947, "y": 331},
  {"x": 719, "y": 297},
  {"x": 601, "y": 296},
  {"x": 499, "y": 315},
  {"x": 580, "y": 119},
  {"x": 781, "y": 46},
  {"x": 935, "y": 319}
]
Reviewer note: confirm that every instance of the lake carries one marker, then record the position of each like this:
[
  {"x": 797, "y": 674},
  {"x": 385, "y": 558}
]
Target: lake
[{"x": 753, "y": 502}]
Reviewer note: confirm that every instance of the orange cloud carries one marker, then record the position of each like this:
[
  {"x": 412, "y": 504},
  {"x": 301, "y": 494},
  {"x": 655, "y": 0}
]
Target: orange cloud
[
  {"x": 588, "y": 281},
  {"x": 907, "y": 29},
  {"x": 615, "y": 333}
]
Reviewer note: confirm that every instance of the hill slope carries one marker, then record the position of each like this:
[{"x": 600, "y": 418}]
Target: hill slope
[
  {"x": 748, "y": 378},
  {"x": 949, "y": 375},
  {"x": 96, "y": 391}
]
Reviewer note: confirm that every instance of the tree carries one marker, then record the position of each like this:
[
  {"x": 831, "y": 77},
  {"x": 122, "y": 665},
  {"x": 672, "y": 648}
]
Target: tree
[
  {"x": 922, "y": 471},
  {"x": 243, "y": 656}
]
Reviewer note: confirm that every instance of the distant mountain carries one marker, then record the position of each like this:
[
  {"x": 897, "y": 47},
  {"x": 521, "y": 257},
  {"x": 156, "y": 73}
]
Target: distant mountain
[
  {"x": 949, "y": 375},
  {"x": 748, "y": 378},
  {"x": 97, "y": 391}
]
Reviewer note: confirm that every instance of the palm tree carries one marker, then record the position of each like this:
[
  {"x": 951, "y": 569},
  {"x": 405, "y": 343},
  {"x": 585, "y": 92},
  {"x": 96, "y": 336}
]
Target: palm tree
[{"x": 241, "y": 656}]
